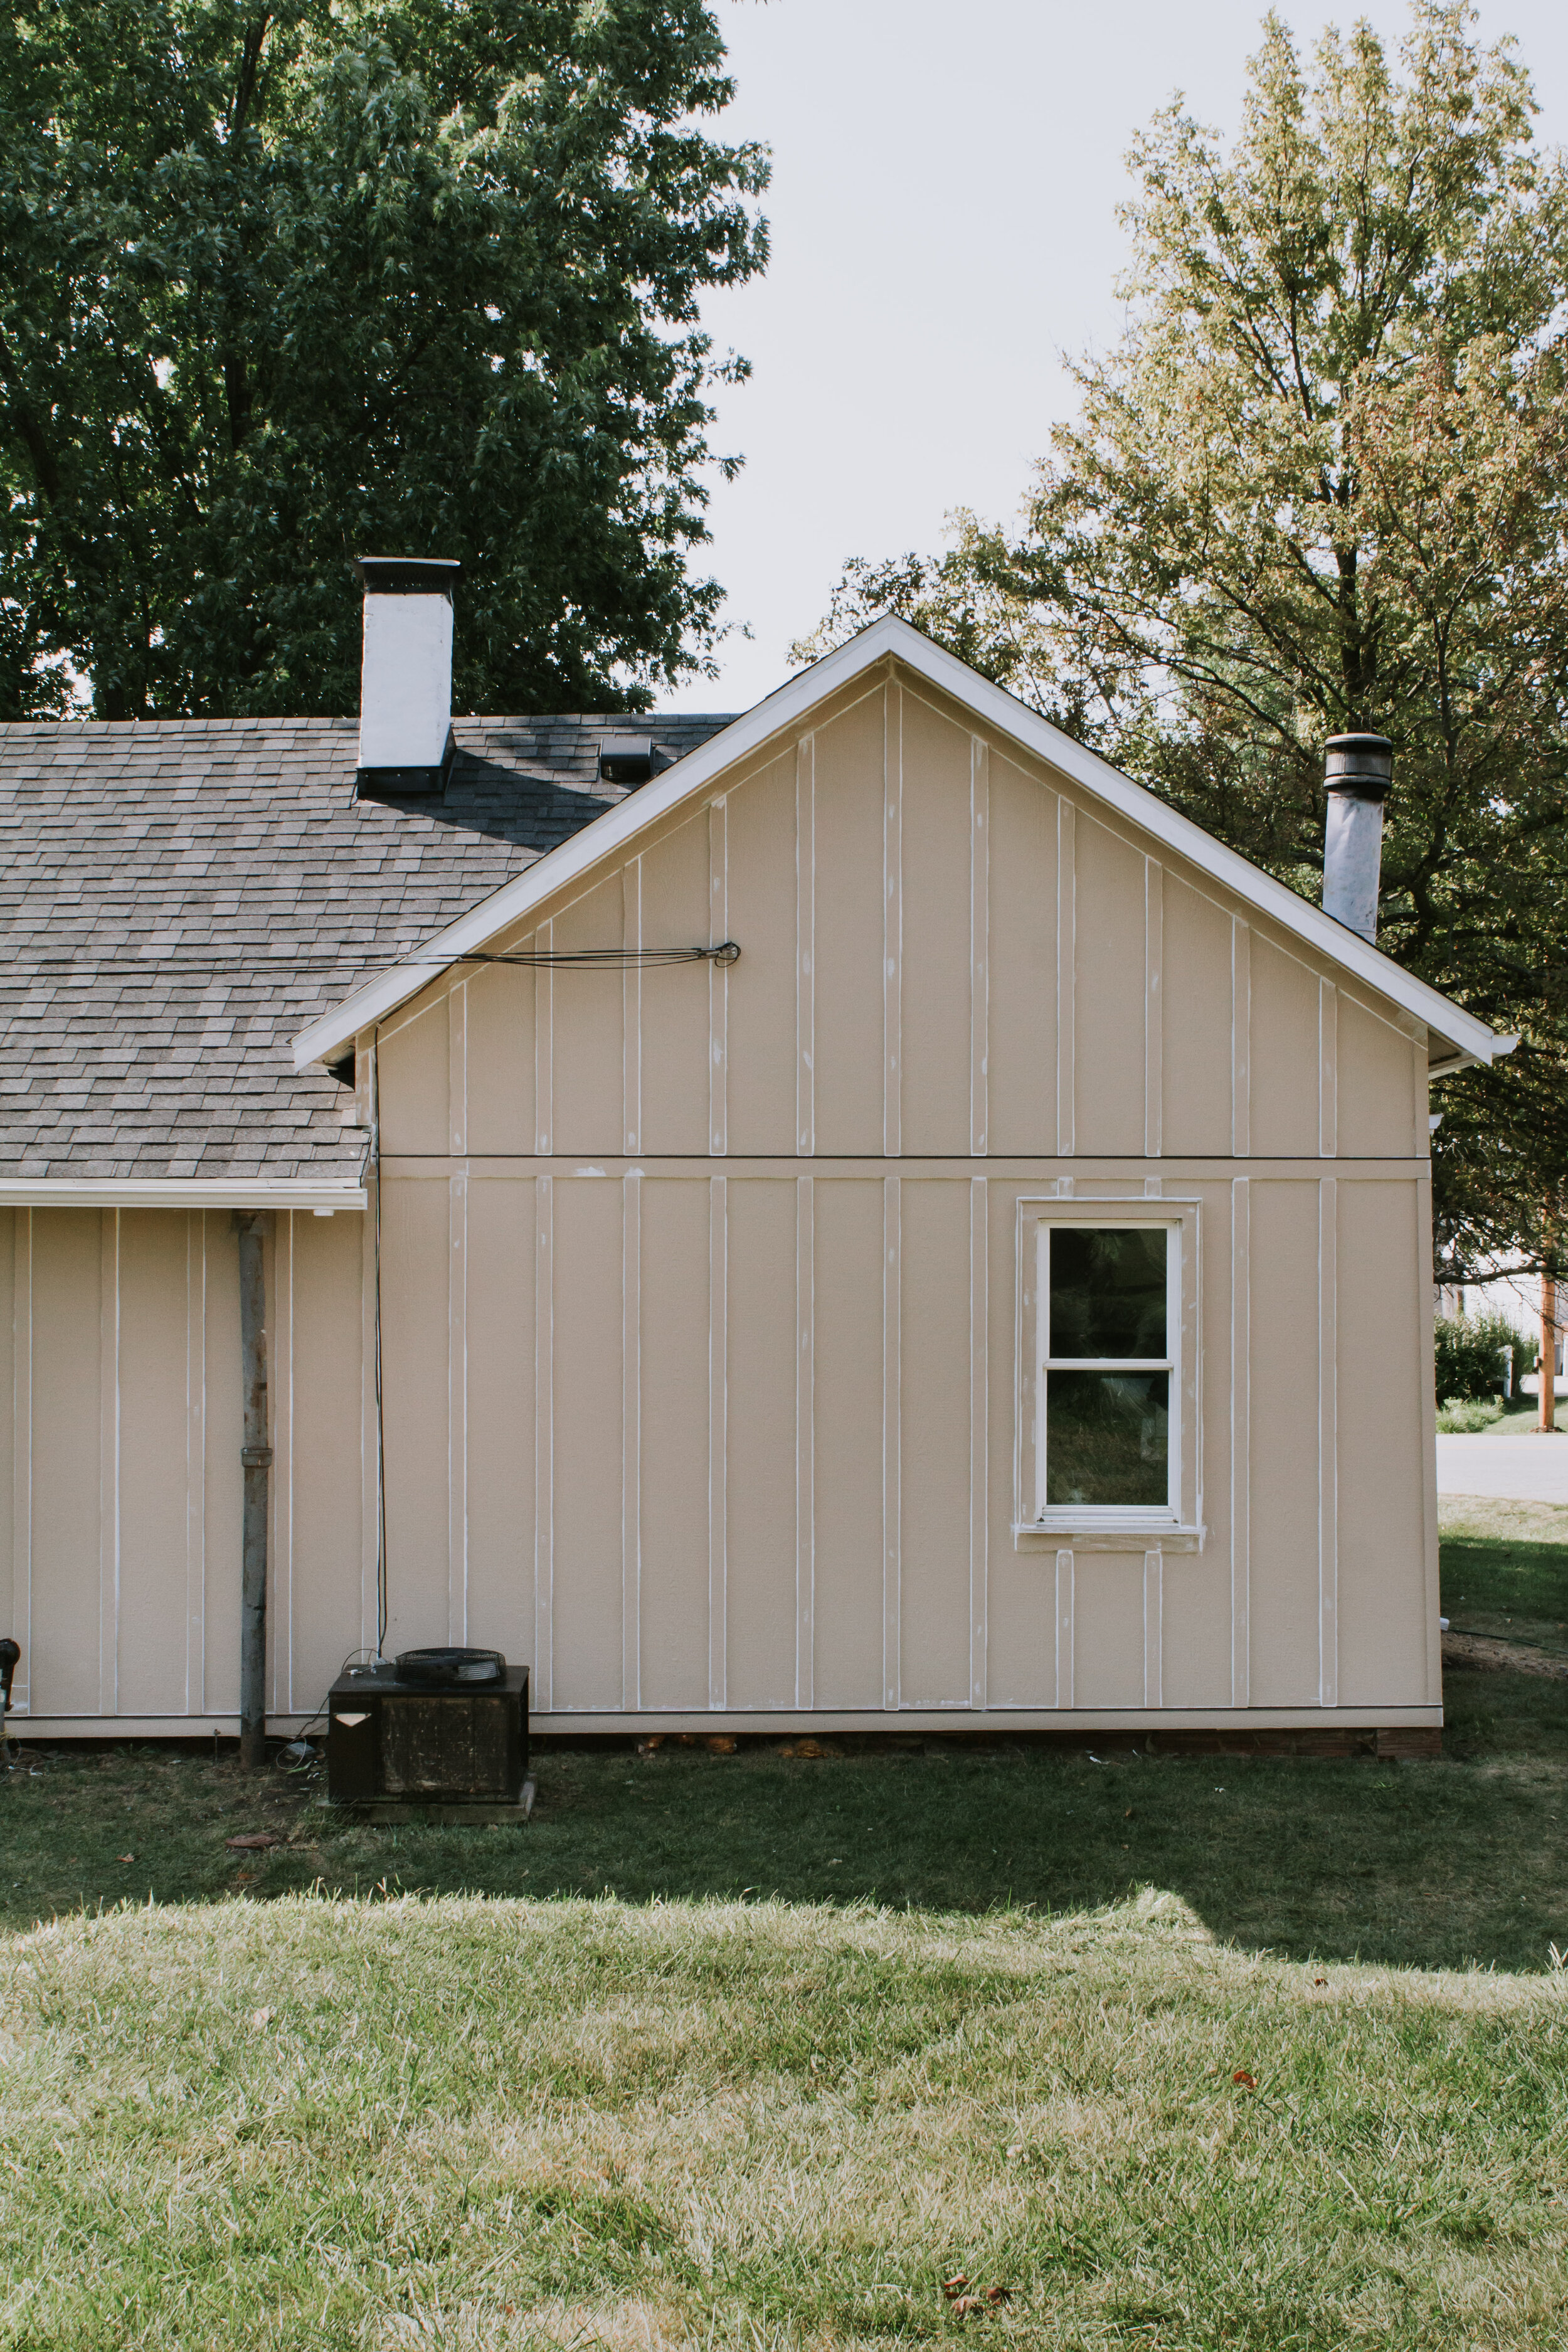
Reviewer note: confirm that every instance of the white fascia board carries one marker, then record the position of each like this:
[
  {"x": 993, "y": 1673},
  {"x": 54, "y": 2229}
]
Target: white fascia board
[
  {"x": 326, "y": 1194},
  {"x": 599, "y": 842}
]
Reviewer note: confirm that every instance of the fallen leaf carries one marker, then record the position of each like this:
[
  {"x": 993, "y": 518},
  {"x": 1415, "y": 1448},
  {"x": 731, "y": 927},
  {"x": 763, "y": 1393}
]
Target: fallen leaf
[
  {"x": 955, "y": 2284},
  {"x": 998, "y": 2294},
  {"x": 1320, "y": 1980},
  {"x": 965, "y": 2303},
  {"x": 125, "y": 1857},
  {"x": 720, "y": 1745},
  {"x": 647, "y": 1747},
  {"x": 246, "y": 1877},
  {"x": 253, "y": 1838},
  {"x": 1247, "y": 2081}
]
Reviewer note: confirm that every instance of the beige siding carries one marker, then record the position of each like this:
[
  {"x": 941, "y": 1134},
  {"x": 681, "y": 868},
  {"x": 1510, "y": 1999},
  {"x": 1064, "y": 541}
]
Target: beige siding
[{"x": 700, "y": 1296}]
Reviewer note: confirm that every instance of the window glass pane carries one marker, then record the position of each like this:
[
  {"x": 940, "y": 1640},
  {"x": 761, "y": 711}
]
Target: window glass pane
[
  {"x": 1107, "y": 1291},
  {"x": 1107, "y": 1438}
]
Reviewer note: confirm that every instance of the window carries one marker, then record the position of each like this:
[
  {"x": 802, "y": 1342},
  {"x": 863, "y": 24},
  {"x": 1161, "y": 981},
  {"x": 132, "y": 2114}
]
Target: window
[
  {"x": 1107, "y": 1453},
  {"x": 1108, "y": 1322}
]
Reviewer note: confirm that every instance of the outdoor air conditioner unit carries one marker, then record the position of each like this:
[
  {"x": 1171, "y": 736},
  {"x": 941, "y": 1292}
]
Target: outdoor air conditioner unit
[{"x": 447, "y": 1728}]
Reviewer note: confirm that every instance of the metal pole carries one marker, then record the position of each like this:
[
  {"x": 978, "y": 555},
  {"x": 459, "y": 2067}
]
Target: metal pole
[
  {"x": 1546, "y": 1421},
  {"x": 256, "y": 1456}
]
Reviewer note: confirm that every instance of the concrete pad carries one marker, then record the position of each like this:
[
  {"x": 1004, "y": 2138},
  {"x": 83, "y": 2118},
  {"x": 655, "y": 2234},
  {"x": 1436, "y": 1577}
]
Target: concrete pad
[{"x": 1517, "y": 1469}]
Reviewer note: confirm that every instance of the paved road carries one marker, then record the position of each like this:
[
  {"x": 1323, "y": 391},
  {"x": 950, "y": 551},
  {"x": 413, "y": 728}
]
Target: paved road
[{"x": 1527, "y": 1469}]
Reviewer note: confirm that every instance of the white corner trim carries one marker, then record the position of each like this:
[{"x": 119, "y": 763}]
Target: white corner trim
[
  {"x": 607, "y": 836},
  {"x": 325, "y": 1193}
]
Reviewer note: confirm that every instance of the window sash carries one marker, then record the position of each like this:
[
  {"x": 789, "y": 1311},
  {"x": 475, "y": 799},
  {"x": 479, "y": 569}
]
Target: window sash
[{"x": 1170, "y": 1364}]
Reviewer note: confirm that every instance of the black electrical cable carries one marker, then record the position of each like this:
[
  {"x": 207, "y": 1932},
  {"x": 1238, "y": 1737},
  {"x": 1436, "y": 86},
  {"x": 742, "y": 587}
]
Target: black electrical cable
[{"x": 585, "y": 958}]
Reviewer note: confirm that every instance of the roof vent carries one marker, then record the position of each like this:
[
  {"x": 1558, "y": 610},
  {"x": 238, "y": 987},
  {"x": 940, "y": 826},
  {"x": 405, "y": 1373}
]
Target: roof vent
[
  {"x": 625, "y": 759},
  {"x": 406, "y": 682},
  {"x": 1359, "y": 770}
]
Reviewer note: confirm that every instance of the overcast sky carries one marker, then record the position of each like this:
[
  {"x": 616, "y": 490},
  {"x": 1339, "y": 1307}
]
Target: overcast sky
[{"x": 946, "y": 174}]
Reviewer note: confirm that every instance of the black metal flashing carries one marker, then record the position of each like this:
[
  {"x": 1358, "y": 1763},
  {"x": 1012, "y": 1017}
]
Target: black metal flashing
[{"x": 408, "y": 575}]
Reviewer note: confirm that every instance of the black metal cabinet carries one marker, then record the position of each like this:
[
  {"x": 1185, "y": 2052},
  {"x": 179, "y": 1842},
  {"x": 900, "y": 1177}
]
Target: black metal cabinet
[{"x": 391, "y": 1741}]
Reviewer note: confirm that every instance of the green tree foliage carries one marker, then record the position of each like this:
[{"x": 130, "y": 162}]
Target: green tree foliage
[
  {"x": 1323, "y": 484},
  {"x": 282, "y": 284}
]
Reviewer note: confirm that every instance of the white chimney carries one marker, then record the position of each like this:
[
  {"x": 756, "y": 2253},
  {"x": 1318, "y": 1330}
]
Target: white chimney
[
  {"x": 405, "y": 679},
  {"x": 1359, "y": 772}
]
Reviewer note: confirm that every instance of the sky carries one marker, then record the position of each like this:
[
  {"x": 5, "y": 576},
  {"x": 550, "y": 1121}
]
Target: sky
[{"x": 946, "y": 178}]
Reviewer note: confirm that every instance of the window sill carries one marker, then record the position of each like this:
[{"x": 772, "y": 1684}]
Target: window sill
[{"x": 1070, "y": 1531}]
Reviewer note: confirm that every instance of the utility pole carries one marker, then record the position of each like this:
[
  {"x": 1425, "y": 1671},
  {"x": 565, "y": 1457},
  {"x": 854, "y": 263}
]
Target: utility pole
[
  {"x": 256, "y": 1458},
  {"x": 1548, "y": 1421}
]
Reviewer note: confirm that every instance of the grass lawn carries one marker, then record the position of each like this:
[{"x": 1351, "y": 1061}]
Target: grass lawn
[{"x": 752, "y": 2050}]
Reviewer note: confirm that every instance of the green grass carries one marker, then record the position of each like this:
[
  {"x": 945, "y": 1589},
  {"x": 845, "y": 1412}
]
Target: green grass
[
  {"x": 1519, "y": 1420},
  {"x": 751, "y": 2050},
  {"x": 1505, "y": 1570}
]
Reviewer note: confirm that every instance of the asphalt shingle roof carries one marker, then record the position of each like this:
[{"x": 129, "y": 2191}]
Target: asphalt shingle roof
[{"x": 178, "y": 898}]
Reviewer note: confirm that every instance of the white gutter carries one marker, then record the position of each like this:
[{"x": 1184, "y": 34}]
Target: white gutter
[
  {"x": 598, "y": 842},
  {"x": 324, "y": 1195}
]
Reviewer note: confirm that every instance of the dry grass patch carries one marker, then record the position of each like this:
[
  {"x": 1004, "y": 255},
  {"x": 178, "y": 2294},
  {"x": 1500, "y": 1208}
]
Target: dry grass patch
[{"x": 463, "y": 2122}]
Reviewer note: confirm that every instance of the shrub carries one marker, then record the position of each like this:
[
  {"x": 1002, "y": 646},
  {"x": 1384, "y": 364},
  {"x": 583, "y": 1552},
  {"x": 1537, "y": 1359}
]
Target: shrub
[
  {"x": 1459, "y": 1418},
  {"x": 1472, "y": 1353}
]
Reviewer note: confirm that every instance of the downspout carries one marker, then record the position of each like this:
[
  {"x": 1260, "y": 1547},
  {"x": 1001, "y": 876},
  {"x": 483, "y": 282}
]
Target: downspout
[{"x": 256, "y": 1456}]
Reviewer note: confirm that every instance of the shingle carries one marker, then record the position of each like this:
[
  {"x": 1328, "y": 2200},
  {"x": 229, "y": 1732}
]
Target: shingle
[{"x": 131, "y": 851}]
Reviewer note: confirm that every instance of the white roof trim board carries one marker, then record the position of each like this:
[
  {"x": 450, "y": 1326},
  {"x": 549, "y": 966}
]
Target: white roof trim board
[
  {"x": 600, "y": 841},
  {"x": 324, "y": 1195}
]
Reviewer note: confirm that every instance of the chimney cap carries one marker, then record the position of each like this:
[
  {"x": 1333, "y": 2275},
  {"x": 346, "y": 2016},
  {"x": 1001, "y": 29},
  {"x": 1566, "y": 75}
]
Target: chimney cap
[
  {"x": 1359, "y": 766},
  {"x": 408, "y": 575}
]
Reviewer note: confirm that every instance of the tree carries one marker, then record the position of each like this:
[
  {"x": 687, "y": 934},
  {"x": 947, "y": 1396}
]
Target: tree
[
  {"x": 281, "y": 284},
  {"x": 1320, "y": 485}
]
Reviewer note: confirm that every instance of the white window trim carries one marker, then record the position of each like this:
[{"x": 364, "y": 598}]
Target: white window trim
[{"x": 1178, "y": 1527}]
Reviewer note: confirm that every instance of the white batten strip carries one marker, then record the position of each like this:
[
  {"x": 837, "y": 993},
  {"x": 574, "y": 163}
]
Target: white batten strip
[
  {"x": 1328, "y": 1069},
  {"x": 543, "y": 1044},
  {"x": 1153, "y": 1627},
  {"x": 805, "y": 946},
  {"x": 109, "y": 1462},
  {"x": 21, "y": 1455},
  {"x": 1064, "y": 1628},
  {"x": 1153, "y": 1007},
  {"x": 631, "y": 1438},
  {"x": 1240, "y": 1038},
  {"x": 979, "y": 944},
  {"x": 717, "y": 978},
  {"x": 893, "y": 923},
  {"x": 718, "y": 1439},
  {"x": 1066, "y": 970},
  {"x": 1240, "y": 1442},
  {"x": 458, "y": 1406},
  {"x": 893, "y": 1466},
  {"x": 631, "y": 1008},
  {"x": 543, "y": 1676},
  {"x": 804, "y": 1443},
  {"x": 979, "y": 1435},
  {"x": 369, "y": 1441},
  {"x": 458, "y": 1068},
  {"x": 280, "y": 1357},
  {"x": 196, "y": 1461},
  {"x": 1328, "y": 1446}
]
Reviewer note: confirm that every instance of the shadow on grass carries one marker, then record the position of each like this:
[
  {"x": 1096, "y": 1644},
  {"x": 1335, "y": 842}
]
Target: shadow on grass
[{"x": 1429, "y": 1865}]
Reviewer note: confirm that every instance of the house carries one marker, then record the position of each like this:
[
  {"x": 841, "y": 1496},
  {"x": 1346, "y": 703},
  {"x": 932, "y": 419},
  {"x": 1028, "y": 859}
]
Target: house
[{"x": 876, "y": 1322}]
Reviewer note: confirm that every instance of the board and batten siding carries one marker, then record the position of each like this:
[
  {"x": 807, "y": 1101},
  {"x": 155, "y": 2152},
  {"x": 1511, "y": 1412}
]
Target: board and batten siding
[{"x": 703, "y": 1305}]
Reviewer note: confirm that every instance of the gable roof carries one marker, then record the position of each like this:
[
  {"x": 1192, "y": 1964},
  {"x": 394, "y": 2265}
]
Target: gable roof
[
  {"x": 177, "y": 897},
  {"x": 1458, "y": 1037}
]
